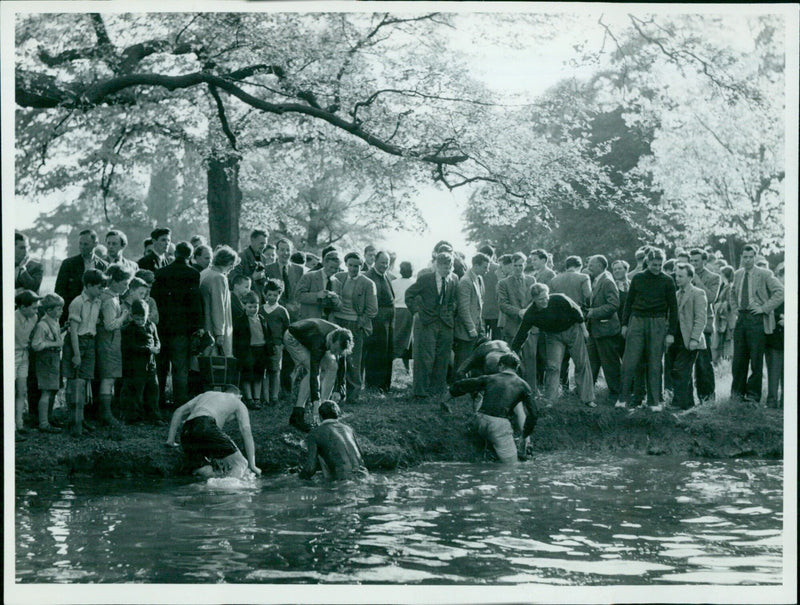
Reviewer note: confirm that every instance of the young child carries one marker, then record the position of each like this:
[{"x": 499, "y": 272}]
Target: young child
[
  {"x": 46, "y": 342},
  {"x": 251, "y": 339},
  {"x": 278, "y": 322},
  {"x": 140, "y": 345},
  {"x": 137, "y": 290},
  {"x": 78, "y": 361},
  {"x": 25, "y": 315},
  {"x": 149, "y": 278},
  {"x": 240, "y": 285}
]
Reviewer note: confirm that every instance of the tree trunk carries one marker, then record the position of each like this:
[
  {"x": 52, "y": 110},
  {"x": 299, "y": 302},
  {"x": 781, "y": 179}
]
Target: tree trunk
[{"x": 224, "y": 200}]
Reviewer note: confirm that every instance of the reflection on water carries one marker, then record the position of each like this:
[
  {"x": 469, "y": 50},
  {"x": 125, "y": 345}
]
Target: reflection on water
[{"x": 560, "y": 520}]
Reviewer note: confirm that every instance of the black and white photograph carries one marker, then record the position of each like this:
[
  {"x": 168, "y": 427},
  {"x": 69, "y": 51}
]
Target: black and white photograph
[{"x": 399, "y": 302}]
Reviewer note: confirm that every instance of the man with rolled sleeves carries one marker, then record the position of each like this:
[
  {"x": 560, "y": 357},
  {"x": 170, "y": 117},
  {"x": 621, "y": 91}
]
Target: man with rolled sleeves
[
  {"x": 378, "y": 353},
  {"x": 754, "y": 296},
  {"x": 561, "y": 322}
]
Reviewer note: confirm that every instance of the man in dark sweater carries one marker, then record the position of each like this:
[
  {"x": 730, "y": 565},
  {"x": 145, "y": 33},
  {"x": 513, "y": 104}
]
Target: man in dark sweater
[
  {"x": 649, "y": 322},
  {"x": 562, "y": 323}
]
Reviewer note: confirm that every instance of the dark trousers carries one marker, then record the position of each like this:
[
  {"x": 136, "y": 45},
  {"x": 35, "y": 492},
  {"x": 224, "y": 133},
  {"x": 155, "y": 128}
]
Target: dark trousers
[
  {"x": 704, "y": 381},
  {"x": 492, "y": 331},
  {"x": 669, "y": 360},
  {"x": 378, "y": 350},
  {"x": 139, "y": 398},
  {"x": 564, "y": 378},
  {"x": 606, "y": 353},
  {"x": 749, "y": 342},
  {"x": 645, "y": 340},
  {"x": 174, "y": 356},
  {"x": 683, "y": 361},
  {"x": 774, "y": 377},
  {"x": 355, "y": 369},
  {"x": 462, "y": 350}
]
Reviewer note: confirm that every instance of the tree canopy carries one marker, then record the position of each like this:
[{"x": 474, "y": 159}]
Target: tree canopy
[{"x": 320, "y": 123}]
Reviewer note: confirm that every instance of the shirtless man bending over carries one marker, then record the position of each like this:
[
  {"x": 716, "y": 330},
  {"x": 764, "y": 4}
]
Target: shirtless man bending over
[
  {"x": 483, "y": 359},
  {"x": 332, "y": 447},
  {"x": 203, "y": 440},
  {"x": 503, "y": 392}
]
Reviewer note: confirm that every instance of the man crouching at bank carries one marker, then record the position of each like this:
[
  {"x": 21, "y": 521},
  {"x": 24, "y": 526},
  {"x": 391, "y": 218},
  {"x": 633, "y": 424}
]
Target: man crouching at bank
[
  {"x": 502, "y": 393},
  {"x": 332, "y": 447},
  {"x": 211, "y": 452}
]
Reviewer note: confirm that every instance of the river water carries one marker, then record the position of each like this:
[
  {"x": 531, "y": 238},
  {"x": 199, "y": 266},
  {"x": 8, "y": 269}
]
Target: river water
[{"x": 561, "y": 519}]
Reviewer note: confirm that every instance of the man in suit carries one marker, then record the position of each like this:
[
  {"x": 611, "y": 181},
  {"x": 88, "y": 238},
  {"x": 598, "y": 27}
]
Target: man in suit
[
  {"x": 359, "y": 304},
  {"x": 69, "y": 282},
  {"x": 177, "y": 295},
  {"x": 27, "y": 272},
  {"x": 116, "y": 242},
  {"x": 469, "y": 322},
  {"x": 513, "y": 297},
  {"x": 605, "y": 343},
  {"x": 290, "y": 274},
  {"x": 755, "y": 294},
  {"x": 577, "y": 286},
  {"x": 710, "y": 282},
  {"x": 690, "y": 337},
  {"x": 253, "y": 263},
  {"x": 378, "y": 353},
  {"x": 315, "y": 294},
  {"x": 157, "y": 256},
  {"x": 543, "y": 274},
  {"x": 433, "y": 298},
  {"x": 490, "y": 312}
]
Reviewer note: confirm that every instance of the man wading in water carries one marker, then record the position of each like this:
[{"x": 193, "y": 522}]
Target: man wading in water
[
  {"x": 502, "y": 393},
  {"x": 332, "y": 447},
  {"x": 203, "y": 441}
]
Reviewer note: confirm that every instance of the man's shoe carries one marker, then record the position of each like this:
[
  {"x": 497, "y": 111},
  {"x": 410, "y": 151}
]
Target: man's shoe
[
  {"x": 591, "y": 404},
  {"x": 620, "y": 404},
  {"x": 49, "y": 429},
  {"x": 23, "y": 430},
  {"x": 19, "y": 436},
  {"x": 657, "y": 408}
]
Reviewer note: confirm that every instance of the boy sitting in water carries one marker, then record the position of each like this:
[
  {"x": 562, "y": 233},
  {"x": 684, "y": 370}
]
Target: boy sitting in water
[
  {"x": 503, "y": 392},
  {"x": 332, "y": 447},
  {"x": 202, "y": 438}
]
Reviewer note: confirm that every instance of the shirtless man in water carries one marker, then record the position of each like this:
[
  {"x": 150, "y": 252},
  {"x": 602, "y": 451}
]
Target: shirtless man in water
[
  {"x": 503, "y": 392},
  {"x": 332, "y": 447},
  {"x": 203, "y": 439}
]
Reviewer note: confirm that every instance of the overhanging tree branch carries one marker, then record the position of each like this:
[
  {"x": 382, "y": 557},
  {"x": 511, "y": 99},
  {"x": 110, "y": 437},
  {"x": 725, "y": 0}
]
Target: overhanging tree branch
[
  {"x": 223, "y": 120},
  {"x": 105, "y": 90}
]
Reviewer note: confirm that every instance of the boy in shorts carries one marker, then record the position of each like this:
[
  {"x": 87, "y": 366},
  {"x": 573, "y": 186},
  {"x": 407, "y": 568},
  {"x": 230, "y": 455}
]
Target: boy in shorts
[
  {"x": 278, "y": 321},
  {"x": 208, "y": 449},
  {"x": 47, "y": 342},
  {"x": 25, "y": 315},
  {"x": 78, "y": 361}
]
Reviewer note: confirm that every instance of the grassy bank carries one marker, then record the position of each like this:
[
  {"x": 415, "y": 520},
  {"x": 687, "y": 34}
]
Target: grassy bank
[{"x": 396, "y": 431}]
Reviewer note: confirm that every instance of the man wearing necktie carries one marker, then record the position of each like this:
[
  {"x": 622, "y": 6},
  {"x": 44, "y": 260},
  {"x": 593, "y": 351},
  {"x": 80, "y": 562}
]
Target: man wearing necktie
[
  {"x": 433, "y": 298},
  {"x": 469, "y": 324},
  {"x": 689, "y": 339},
  {"x": 378, "y": 347},
  {"x": 513, "y": 297},
  {"x": 755, "y": 294}
]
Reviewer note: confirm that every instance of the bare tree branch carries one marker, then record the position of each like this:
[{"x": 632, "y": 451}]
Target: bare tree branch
[{"x": 223, "y": 120}]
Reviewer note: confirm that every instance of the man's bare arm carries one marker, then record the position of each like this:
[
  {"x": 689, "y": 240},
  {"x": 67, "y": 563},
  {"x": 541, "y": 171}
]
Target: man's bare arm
[
  {"x": 311, "y": 465},
  {"x": 177, "y": 419},
  {"x": 243, "y": 417}
]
